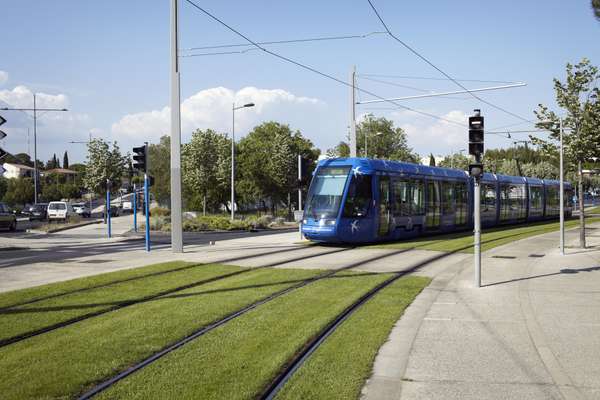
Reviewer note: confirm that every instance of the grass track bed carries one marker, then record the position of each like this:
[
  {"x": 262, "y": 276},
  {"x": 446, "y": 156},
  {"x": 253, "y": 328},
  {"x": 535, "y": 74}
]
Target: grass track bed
[
  {"x": 17, "y": 297},
  {"x": 238, "y": 360},
  {"x": 44, "y": 313},
  {"x": 490, "y": 238},
  {"x": 353, "y": 346},
  {"x": 65, "y": 362}
]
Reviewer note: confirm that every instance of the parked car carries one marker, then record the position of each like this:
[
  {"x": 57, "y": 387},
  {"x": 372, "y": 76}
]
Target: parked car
[
  {"x": 60, "y": 210},
  {"x": 7, "y": 218},
  {"x": 82, "y": 209},
  {"x": 36, "y": 211},
  {"x": 115, "y": 211}
]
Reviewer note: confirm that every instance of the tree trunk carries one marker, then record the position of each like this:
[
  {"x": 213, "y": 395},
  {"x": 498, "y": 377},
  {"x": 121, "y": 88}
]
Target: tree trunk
[{"x": 581, "y": 210}]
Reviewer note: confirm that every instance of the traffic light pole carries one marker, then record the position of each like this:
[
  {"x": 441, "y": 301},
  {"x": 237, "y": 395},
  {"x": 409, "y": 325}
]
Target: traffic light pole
[
  {"x": 300, "y": 192},
  {"x": 476, "y": 143},
  {"x": 477, "y": 230},
  {"x": 107, "y": 208},
  {"x": 134, "y": 207},
  {"x": 147, "y": 211}
]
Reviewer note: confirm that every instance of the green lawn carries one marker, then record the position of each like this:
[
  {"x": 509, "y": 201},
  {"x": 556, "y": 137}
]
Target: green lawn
[
  {"x": 490, "y": 238},
  {"x": 45, "y": 313},
  {"x": 56, "y": 289},
  {"x": 353, "y": 346},
  {"x": 64, "y": 362},
  {"x": 238, "y": 360},
  {"x": 595, "y": 210}
]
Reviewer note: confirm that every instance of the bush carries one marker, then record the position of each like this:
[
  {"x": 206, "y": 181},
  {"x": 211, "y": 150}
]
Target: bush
[
  {"x": 160, "y": 212},
  {"x": 207, "y": 223}
]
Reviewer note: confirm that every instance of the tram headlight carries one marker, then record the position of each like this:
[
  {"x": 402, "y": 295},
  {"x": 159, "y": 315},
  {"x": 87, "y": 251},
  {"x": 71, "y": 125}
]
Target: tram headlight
[{"x": 305, "y": 221}]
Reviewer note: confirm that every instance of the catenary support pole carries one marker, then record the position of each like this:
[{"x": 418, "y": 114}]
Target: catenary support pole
[
  {"x": 562, "y": 193},
  {"x": 353, "y": 113},
  {"x": 107, "y": 208},
  {"x": 134, "y": 208},
  {"x": 477, "y": 230},
  {"x": 176, "y": 218},
  {"x": 35, "y": 166},
  {"x": 300, "y": 192},
  {"x": 147, "y": 211},
  {"x": 233, "y": 162}
]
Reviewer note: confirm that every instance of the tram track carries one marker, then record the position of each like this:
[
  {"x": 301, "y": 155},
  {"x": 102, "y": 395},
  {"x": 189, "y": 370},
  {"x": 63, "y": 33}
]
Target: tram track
[
  {"x": 118, "y": 306},
  {"x": 303, "y": 355},
  {"x": 150, "y": 275},
  {"x": 224, "y": 320}
]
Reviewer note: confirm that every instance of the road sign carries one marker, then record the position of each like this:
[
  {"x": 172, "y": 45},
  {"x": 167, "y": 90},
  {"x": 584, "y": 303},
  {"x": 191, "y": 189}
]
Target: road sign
[{"x": 2, "y": 136}]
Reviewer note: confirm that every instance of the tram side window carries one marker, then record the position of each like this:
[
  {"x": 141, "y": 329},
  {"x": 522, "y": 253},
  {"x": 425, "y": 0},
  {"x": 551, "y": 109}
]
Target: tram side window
[
  {"x": 402, "y": 197},
  {"x": 460, "y": 197},
  {"x": 516, "y": 198},
  {"x": 418, "y": 197},
  {"x": 535, "y": 193},
  {"x": 504, "y": 202},
  {"x": 447, "y": 197},
  {"x": 359, "y": 197},
  {"x": 488, "y": 199}
]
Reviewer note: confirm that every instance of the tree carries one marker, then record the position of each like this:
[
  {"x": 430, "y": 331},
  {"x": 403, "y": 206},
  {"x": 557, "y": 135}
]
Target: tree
[
  {"x": 3, "y": 186},
  {"x": 160, "y": 168},
  {"x": 383, "y": 140},
  {"x": 205, "y": 164},
  {"x": 578, "y": 97},
  {"x": 268, "y": 158},
  {"x": 596, "y": 8},
  {"x": 19, "y": 191},
  {"x": 431, "y": 160},
  {"x": 457, "y": 161},
  {"x": 66, "y": 160},
  {"x": 20, "y": 158},
  {"x": 103, "y": 163}
]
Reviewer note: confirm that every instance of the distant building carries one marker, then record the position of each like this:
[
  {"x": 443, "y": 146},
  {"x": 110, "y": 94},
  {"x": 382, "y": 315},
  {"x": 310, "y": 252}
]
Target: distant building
[
  {"x": 17, "y": 171},
  {"x": 59, "y": 171}
]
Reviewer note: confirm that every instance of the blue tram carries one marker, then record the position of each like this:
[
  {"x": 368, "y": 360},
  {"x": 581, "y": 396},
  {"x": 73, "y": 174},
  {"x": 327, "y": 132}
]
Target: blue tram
[{"x": 360, "y": 200}]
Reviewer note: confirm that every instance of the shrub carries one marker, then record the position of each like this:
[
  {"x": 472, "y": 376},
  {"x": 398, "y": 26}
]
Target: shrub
[{"x": 160, "y": 212}]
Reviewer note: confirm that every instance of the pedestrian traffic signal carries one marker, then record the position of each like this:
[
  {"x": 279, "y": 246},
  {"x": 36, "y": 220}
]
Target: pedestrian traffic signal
[
  {"x": 476, "y": 135},
  {"x": 140, "y": 155}
]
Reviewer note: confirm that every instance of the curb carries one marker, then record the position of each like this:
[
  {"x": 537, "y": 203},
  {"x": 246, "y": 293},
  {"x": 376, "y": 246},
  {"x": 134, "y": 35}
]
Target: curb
[{"x": 64, "y": 228}]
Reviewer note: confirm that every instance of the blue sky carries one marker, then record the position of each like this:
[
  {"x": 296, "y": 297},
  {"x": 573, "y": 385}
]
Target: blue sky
[{"x": 108, "y": 62}]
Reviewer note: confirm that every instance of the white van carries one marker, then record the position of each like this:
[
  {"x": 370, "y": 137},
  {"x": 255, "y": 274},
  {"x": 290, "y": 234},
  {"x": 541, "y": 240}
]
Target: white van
[{"x": 60, "y": 210}]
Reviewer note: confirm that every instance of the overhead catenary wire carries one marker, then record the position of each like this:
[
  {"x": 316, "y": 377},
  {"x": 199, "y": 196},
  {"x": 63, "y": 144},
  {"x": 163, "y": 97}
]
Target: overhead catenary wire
[
  {"x": 433, "y": 78},
  {"x": 314, "y": 70},
  {"x": 439, "y": 69}
]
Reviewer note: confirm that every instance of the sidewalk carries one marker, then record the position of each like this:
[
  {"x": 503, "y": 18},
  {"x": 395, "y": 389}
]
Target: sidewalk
[{"x": 531, "y": 332}]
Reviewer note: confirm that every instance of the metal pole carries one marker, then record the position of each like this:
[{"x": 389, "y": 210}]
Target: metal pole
[
  {"x": 232, "y": 161},
  {"x": 353, "y": 113},
  {"x": 300, "y": 192},
  {"x": 562, "y": 189},
  {"x": 134, "y": 207},
  {"x": 477, "y": 230},
  {"x": 147, "y": 211},
  {"x": 107, "y": 208},
  {"x": 176, "y": 219},
  {"x": 35, "y": 166}
]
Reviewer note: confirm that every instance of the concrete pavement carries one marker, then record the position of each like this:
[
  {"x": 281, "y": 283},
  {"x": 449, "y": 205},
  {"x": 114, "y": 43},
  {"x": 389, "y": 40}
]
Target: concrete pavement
[{"x": 531, "y": 332}]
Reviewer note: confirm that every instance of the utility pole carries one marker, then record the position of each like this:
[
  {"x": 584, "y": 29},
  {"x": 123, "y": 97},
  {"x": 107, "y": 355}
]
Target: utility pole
[
  {"x": 476, "y": 138},
  {"x": 353, "y": 112},
  {"x": 562, "y": 189},
  {"x": 176, "y": 218},
  {"x": 35, "y": 109},
  {"x": 233, "y": 108},
  {"x": 300, "y": 193}
]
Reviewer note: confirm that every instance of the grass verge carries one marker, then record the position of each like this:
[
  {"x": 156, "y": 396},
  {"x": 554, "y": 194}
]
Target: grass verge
[
  {"x": 45, "y": 313},
  {"x": 64, "y": 362},
  {"x": 339, "y": 368},
  {"x": 490, "y": 238},
  {"x": 238, "y": 360}
]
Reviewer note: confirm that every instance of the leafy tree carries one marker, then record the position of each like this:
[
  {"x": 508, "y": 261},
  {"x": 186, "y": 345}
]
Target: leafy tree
[
  {"x": 457, "y": 161},
  {"x": 20, "y": 158},
  {"x": 3, "y": 186},
  {"x": 578, "y": 97},
  {"x": 19, "y": 191},
  {"x": 596, "y": 8},
  {"x": 267, "y": 161},
  {"x": 103, "y": 163},
  {"x": 66, "y": 160},
  {"x": 160, "y": 168},
  {"x": 205, "y": 163},
  {"x": 383, "y": 140},
  {"x": 53, "y": 163}
]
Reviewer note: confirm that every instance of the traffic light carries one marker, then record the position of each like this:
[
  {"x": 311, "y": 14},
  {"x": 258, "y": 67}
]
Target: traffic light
[
  {"x": 476, "y": 135},
  {"x": 150, "y": 180},
  {"x": 306, "y": 165},
  {"x": 140, "y": 158},
  {"x": 476, "y": 170}
]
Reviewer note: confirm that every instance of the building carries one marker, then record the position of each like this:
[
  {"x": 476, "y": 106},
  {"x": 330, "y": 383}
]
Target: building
[{"x": 17, "y": 170}]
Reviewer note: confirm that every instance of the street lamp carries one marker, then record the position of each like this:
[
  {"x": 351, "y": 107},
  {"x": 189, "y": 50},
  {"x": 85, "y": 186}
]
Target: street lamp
[
  {"x": 35, "y": 109},
  {"x": 366, "y": 141},
  {"x": 233, "y": 108}
]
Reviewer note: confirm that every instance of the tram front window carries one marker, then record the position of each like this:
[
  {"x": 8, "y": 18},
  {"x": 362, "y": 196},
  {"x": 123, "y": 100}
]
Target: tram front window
[{"x": 325, "y": 194}]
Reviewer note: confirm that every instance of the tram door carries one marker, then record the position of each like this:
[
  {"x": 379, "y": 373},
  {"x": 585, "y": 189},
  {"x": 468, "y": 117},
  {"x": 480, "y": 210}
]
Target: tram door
[
  {"x": 385, "y": 206},
  {"x": 432, "y": 210}
]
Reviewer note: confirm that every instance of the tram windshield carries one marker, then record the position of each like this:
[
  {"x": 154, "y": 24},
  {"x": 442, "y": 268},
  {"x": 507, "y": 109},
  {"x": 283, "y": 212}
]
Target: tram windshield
[{"x": 325, "y": 193}]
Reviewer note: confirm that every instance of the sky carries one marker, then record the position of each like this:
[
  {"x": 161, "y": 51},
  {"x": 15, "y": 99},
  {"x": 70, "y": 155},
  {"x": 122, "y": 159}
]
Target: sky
[{"x": 108, "y": 64}]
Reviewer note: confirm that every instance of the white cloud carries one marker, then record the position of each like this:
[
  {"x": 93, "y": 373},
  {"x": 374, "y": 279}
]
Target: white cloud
[
  {"x": 211, "y": 108},
  {"x": 3, "y": 77},
  {"x": 22, "y": 97},
  {"x": 427, "y": 136}
]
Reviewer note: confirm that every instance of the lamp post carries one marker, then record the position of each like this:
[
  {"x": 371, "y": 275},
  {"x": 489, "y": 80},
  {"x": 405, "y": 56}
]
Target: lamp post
[
  {"x": 233, "y": 108},
  {"x": 35, "y": 109}
]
